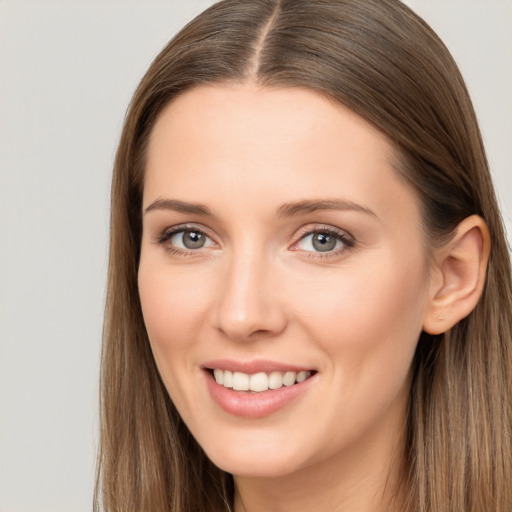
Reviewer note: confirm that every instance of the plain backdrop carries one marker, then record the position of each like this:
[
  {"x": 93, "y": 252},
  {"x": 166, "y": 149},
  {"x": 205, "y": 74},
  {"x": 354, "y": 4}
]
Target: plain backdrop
[{"x": 67, "y": 71}]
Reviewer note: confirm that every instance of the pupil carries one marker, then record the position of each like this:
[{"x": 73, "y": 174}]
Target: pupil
[
  {"x": 323, "y": 242},
  {"x": 193, "y": 240}
]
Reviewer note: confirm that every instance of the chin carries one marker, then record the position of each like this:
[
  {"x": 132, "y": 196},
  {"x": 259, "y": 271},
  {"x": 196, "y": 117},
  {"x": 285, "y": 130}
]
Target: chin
[
  {"x": 263, "y": 467},
  {"x": 259, "y": 459}
]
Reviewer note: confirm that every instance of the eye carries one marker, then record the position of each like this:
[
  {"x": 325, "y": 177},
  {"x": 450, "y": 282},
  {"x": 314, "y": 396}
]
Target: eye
[
  {"x": 186, "y": 239},
  {"x": 324, "y": 241}
]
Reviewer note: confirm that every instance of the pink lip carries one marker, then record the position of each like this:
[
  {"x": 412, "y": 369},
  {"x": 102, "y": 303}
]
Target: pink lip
[
  {"x": 255, "y": 405},
  {"x": 256, "y": 366}
]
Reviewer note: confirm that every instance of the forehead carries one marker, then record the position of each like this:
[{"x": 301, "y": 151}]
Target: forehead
[
  {"x": 279, "y": 144},
  {"x": 250, "y": 113}
]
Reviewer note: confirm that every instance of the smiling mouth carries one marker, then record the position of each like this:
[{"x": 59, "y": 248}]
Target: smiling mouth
[{"x": 258, "y": 382}]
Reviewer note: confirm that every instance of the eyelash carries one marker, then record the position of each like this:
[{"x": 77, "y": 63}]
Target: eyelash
[
  {"x": 166, "y": 236},
  {"x": 347, "y": 241}
]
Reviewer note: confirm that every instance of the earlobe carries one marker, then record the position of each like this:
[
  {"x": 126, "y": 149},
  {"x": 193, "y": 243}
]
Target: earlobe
[{"x": 461, "y": 265}]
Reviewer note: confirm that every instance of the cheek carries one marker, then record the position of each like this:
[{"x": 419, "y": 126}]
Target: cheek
[
  {"x": 368, "y": 319},
  {"x": 367, "y": 323},
  {"x": 173, "y": 306},
  {"x": 173, "y": 309}
]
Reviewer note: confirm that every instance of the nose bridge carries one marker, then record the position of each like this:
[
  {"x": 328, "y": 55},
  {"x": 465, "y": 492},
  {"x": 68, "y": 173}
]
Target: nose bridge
[{"x": 247, "y": 301}]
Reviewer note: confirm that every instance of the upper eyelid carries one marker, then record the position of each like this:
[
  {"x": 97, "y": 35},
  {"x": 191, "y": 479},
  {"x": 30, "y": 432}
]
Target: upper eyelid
[
  {"x": 347, "y": 239},
  {"x": 186, "y": 227},
  {"x": 164, "y": 236},
  {"x": 321, "y": 228}
]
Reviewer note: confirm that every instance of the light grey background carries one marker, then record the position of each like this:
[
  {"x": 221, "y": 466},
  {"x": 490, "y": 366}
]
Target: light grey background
[{"x": 67, "y": 71}]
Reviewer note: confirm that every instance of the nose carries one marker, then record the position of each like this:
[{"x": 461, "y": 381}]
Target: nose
[{"x": 249, "y": 305}]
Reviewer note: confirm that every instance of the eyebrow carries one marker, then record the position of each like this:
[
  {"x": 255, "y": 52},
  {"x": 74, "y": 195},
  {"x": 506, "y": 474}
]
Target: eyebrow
[
  {"x": 285, "y": 210},
  {"x": 178, "y": 206},
  {"x": 310, "y": 206}
]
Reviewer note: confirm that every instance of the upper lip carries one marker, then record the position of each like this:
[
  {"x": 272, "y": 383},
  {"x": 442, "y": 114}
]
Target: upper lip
[{"x": 255, "y": 366}]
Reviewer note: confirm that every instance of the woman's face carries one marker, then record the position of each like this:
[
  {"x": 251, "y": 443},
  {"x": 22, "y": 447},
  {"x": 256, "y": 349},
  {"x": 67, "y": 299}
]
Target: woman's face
[{"x": 281, "y": 250}]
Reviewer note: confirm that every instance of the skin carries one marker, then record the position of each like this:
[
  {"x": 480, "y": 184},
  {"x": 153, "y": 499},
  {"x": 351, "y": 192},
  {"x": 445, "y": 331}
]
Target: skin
[{"x": 258, "y": 289}]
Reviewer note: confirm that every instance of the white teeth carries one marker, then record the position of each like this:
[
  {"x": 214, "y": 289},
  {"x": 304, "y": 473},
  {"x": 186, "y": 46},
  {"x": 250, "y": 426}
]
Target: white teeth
[
  {"x": 275, "y": 380},
  {"x": 302, "y": 376},
  {"x": 219, "y": 376},
  {"x": 240, "y": 381},
  {"x": 258, "y": 382},
  {"x": 289, "y": 378},
  {"x": 228, "y": 379}
]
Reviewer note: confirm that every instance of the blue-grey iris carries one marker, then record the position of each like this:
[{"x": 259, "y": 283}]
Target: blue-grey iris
[{"x": 323, "y": 242}]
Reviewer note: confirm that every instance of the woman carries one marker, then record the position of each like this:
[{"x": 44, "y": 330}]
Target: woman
[{"x": 309, "y": 288}]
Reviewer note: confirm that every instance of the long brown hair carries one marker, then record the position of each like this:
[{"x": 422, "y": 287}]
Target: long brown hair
[{"x": 382, "y": 61}]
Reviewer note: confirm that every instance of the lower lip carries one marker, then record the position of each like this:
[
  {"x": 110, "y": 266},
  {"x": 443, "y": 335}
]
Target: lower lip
[{"x": 255, "y": 405}]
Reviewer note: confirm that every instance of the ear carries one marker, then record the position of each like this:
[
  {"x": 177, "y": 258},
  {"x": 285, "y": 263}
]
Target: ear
[{"x": 460, "y": 269}]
